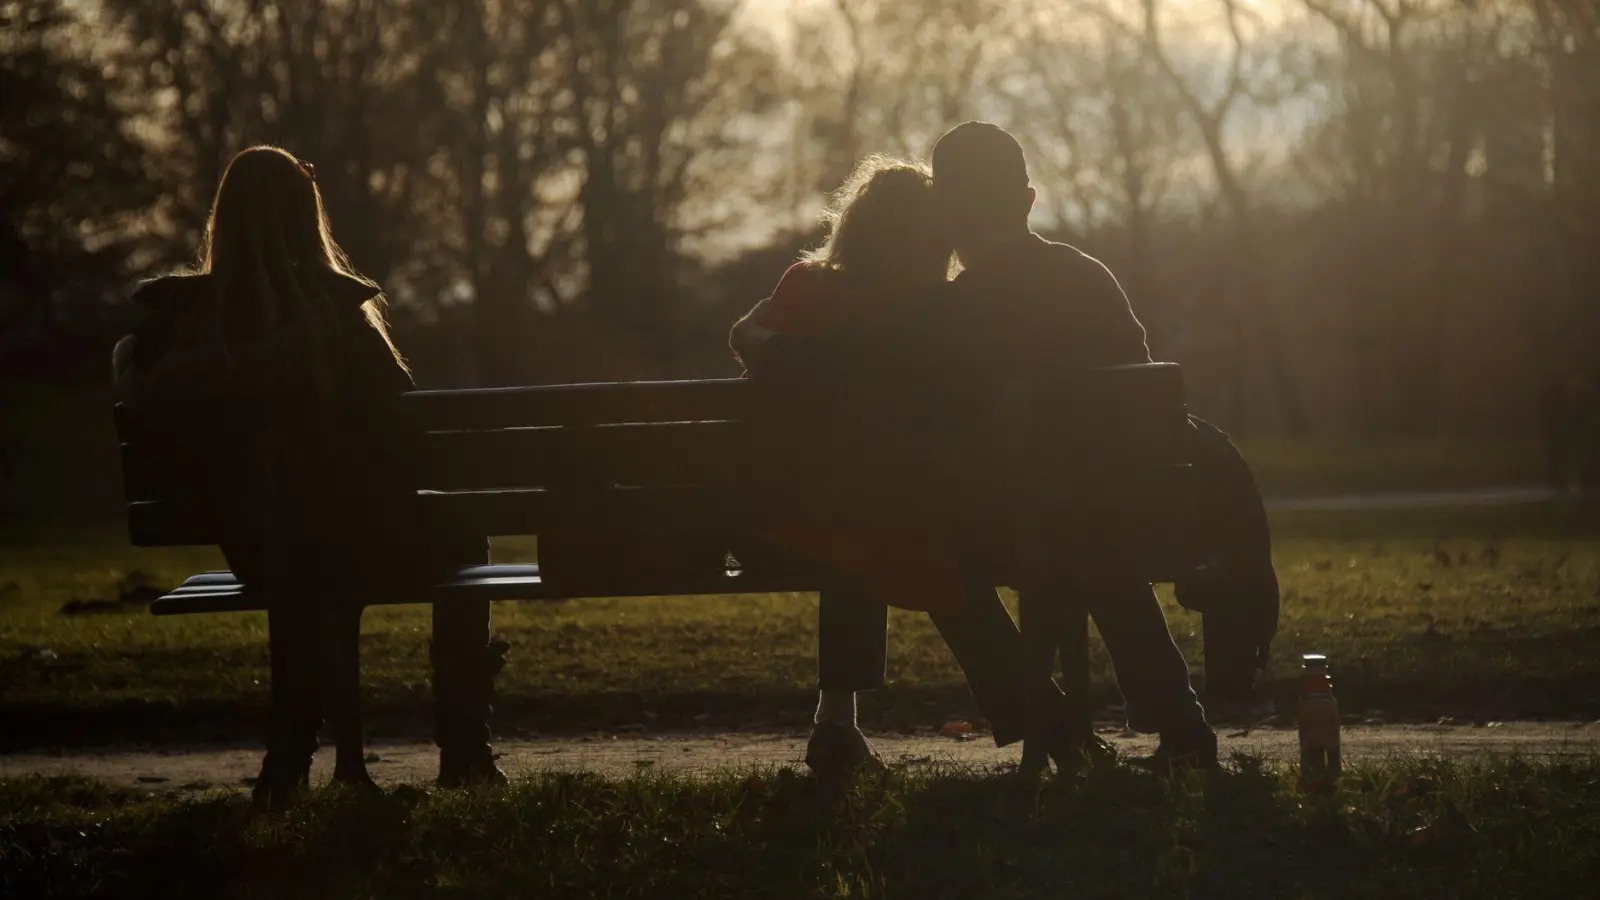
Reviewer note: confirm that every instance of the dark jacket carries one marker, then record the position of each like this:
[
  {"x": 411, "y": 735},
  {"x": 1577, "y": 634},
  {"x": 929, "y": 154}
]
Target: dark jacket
[
  {"x": 1031, "y": 306},
  {"x": 251, "y": 438}
]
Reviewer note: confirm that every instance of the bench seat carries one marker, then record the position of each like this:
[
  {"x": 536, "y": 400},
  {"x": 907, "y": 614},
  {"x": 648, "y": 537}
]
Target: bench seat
[{"x": 211, "y": 592}]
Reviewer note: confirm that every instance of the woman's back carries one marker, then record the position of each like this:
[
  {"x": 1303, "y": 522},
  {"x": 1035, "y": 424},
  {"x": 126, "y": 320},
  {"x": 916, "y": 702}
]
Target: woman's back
[{"x": 266, "y": 449}]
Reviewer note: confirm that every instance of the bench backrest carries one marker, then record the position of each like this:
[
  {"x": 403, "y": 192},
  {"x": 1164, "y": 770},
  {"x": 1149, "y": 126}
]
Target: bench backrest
[{"x": 1109, "y": 446}]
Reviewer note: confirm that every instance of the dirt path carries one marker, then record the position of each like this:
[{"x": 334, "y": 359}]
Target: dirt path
[{"x": 209, "y": 767}]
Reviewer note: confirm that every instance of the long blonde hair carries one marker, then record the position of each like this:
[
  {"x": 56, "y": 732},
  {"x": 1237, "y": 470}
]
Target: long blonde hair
[
  {"x": 883, "y": 222},
  {"x": 269, "y": 251}
]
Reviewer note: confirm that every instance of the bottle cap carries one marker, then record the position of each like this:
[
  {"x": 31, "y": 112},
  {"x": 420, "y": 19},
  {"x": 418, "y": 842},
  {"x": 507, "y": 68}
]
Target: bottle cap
[{"x": 1313, "y": 661}]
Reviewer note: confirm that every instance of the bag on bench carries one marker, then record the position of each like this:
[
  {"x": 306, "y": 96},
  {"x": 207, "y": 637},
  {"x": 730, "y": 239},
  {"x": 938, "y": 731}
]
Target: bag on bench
[{"x": 1235, "y": 588}]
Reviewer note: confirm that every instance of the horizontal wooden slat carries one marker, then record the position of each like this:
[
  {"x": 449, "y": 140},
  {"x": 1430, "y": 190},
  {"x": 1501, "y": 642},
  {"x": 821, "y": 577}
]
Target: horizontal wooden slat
[
  {"x": 753, "y": 453},
  {"x": 885, "y": 503},
  {"x": 691, "y": 453},
  {"x": 1110, "y": 414},
  {"x": 579, "y": 404}
]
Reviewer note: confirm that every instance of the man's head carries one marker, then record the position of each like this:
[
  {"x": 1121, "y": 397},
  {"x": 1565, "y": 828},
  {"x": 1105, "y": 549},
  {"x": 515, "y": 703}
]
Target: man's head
[{"x": 981, "y": 180}]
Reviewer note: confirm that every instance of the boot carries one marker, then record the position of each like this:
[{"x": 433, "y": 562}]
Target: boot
[
  {"x": 1189, "y": 747},
  {"x": 282, "y": 778},
  {"x": 467, "y": 765},
  {"x": 297, "y": 658},
  {"x": 835, "y": 751},
  {"x": 343, "y": 692}
]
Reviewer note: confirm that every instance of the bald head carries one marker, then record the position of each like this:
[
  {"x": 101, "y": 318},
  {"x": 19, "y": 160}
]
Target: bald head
[{"x": 981, "y": 179}]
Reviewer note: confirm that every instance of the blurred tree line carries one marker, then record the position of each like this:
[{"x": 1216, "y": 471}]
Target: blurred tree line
[{"x": 1343, "y": 216}]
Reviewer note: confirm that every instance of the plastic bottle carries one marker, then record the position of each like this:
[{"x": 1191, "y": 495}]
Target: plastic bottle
[{"x": 1319, "y": 726}]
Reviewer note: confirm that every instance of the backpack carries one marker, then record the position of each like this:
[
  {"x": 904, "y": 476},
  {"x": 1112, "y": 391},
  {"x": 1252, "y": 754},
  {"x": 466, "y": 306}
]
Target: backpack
[{"x": 1234, "y": 589}]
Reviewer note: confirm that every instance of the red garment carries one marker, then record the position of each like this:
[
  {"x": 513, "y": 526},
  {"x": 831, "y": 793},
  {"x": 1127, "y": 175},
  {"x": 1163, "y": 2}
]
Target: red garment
[{"x": 918, "y": 570}]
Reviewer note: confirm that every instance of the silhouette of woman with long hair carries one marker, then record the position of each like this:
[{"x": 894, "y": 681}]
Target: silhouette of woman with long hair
[{"x": 271, "y": 373}]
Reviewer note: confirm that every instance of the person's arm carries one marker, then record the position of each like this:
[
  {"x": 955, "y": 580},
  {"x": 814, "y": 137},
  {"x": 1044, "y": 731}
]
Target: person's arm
[
  {"x": 788, "y": 335},
  {"x": 747, "y": 337}
]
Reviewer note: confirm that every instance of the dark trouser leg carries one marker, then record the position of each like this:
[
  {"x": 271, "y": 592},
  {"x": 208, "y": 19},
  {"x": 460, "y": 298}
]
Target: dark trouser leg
[
  {"x": 987, "y": 645},
  {"x": 342, "y": 640},
  {"x": 1151, "y": 670},
  {"x": 852, "y": 630},
  {"x": 294, "y": 644}
]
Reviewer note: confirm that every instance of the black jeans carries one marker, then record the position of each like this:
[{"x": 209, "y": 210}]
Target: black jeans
[
  {"x": 851, "y": 651},
  {"x": 1151, "y": 670},
  {"x": 314, "y": 645}
]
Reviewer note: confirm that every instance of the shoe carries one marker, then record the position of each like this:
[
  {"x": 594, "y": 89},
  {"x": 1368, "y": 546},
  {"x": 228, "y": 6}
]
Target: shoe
[
  {"x": 1073, "y": 755},
  {"x": 279, "y": 781},
  {"x": 835, "y": 751},
  {"x": 357, "y": 779},
  {"x": 1072, "y": 747},
  {"x": 1190, "y": 749},
  {"x": 461, "y": 767}
]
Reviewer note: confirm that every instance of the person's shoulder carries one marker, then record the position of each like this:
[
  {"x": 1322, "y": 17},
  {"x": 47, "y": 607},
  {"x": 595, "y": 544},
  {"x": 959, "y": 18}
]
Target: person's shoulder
[
  {"x": 796, "y": 304},
  {"x": 1066, "y": 258},
  {"x": 166, "y": 292},
  {"x": 805, "y": 275},
  {"x": 1062, "y": 252}
]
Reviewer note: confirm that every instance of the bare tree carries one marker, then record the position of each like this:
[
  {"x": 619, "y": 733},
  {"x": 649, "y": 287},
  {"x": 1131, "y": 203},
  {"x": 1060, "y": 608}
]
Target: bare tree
[
  {"x": 1104, "y": 128},
  {"x": 1248, "y": 298}
]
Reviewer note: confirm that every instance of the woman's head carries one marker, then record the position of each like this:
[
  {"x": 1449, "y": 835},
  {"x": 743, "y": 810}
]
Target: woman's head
[
  {"x": 268, "y": 210},
  {"x": 271, "y": 253},
  {"x": 883, "y": 225}
]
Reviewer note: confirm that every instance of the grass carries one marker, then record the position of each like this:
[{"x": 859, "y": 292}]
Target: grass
[
  {"x": 1286, "y": 468},
  {"x": 1489, "y": 828},
  {"x": 1492, "y": 613}
]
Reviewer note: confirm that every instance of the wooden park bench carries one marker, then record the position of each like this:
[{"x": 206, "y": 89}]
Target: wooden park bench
[{"x": 1087, "y": 474}]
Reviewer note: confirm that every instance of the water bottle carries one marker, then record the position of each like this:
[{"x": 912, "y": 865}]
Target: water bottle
[{"x": 1319, "y": 726}]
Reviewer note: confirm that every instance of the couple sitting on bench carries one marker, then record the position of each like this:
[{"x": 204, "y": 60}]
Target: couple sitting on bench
[
  {"x": 279, "y": 347},
  {"x": 876, "y": 303}
]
